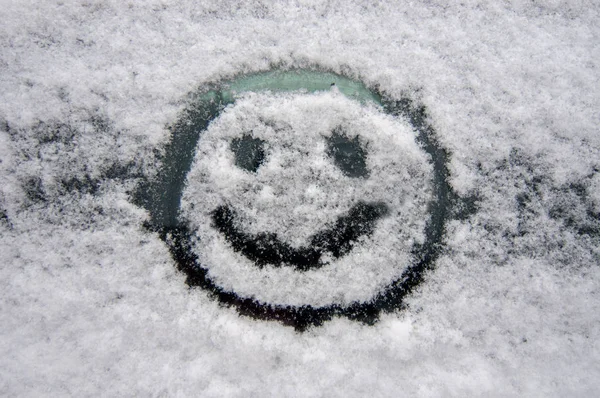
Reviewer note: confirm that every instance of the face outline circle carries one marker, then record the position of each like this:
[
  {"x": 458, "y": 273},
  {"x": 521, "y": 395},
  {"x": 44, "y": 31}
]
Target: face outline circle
[
  {"x": 165, "y": 196},
  {"x": 308, "y": 224}
]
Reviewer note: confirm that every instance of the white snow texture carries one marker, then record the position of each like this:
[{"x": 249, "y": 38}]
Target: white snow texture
[{"x": 92, "y": 303}]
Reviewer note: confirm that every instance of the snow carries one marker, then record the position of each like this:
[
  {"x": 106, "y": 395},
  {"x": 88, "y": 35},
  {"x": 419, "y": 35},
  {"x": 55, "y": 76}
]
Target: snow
[
  {"x": 92, "y": 302},
  {"x": 296, "y": 159}
]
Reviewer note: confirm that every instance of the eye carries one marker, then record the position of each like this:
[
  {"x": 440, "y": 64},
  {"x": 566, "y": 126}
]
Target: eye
[
  {"x": 348, "y": 154},
  {"x": 249, "y": 152}
]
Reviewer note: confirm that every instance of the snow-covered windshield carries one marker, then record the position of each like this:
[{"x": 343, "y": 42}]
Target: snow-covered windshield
[{"x": 299, "y": 198}]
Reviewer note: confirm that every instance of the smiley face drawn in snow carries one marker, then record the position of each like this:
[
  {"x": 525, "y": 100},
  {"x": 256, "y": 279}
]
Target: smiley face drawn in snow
[
  {"x": 284, "y": 215},
  {"x": 299, "y": 205}
]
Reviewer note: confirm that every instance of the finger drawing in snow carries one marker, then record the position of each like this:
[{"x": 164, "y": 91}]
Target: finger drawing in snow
[{"x": 296, "y": 199}]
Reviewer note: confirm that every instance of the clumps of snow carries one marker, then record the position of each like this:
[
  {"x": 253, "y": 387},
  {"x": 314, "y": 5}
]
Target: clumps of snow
[
  {"x": 92, "y": 303},
  {"x": 299, "y": 191},
  {"x": 63, "y": 167},
  {"x": 594, "y": 191},
  {"x": 546, "y": 217}
]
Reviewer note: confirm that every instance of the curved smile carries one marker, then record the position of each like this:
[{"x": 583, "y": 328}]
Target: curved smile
[
  {"x": 305, "y": 298},
  {"x": 267, "y": 248}
]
